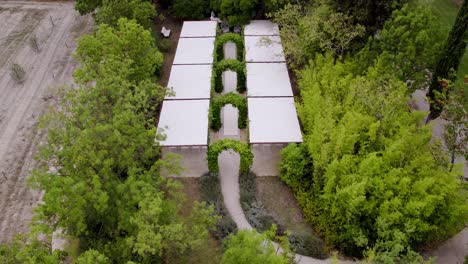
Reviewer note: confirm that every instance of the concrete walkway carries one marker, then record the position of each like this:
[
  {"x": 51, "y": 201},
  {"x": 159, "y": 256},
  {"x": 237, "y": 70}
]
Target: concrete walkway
[{"x": 453, "y": 250}]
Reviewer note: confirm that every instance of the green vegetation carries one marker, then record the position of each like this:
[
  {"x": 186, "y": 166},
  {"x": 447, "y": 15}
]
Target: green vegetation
[
  {"x": 29, "y": 250},
  {"x": 250, "y": 247},
  {"x": 236, "y": 12},
  {"x": 236, "y": 100},
  {"x": 246, "y": 156},
  {"x": 191, "y": 9},
  {"x": 449, "y": 60},
  {"x": 378, "y": 186},
  {"x": 223, "y": 39},
  {"x": 233, "y": 65},
  {"x": 18, "y": 74}
]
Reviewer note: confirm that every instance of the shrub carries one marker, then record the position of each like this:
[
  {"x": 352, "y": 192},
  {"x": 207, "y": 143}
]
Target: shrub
[
  {"x": 233, "y": 65},
  {"x": 307, "y": 245},
  {"x": 210, "y": 190},
  {"x": 246, "y": 156},
  {"x": 17, "y": 73},
  {"x": 191, "y": 9},
  {"x": 214, "y": 114},
  {"x": 237, "y": 12},
  {"x": 223, "y": 39},
  {"x": 164, "y": 45},
  {"x": 295, "y": 167}
]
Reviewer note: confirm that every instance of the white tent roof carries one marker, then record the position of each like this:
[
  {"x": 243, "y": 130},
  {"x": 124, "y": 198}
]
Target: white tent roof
[
  {"x": 194, "y": 51},
  {"x": 273, "y": 120},
  {"x": 190, "y": 81},
  {"x": 261, "y": 28},
  {"x": 268, "y": 79},
  {"x": 263, "y": 49},
  {"x": 185, "y": 122},
  {"x": 193, "y": 29}
]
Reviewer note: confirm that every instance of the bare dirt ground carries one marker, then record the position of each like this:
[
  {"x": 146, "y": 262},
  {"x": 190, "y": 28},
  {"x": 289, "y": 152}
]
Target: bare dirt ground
[{"x": 56, "y": 27}]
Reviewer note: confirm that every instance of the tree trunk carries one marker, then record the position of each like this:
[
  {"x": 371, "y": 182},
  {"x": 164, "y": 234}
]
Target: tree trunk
[{"x": 450, "y": 58}]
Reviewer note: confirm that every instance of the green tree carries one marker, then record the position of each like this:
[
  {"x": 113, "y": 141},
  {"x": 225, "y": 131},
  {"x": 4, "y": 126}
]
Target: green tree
[
  {"x": 87, "y": 6},
  {"x": 250, "y": 247},
  {"x": 408, "y": 44},
  {"x": 128, "y": 41},
  {"x": 237, "y": 12},
  {"x": 376, "y": 183},
  {"x": 92, "y": 256},
  {"x": 29, "y": 250},
  {"x": 192, "y": 9},
  {"x": 111, "y": 11},
  {"x": 449, "y": 59}
]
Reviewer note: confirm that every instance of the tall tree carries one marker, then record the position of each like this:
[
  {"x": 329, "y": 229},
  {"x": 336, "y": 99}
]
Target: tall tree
[{"x": 449, "y": 60}]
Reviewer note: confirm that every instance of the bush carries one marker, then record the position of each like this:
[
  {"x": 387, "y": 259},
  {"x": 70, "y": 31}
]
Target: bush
[
  {"x": 214, "y": 114},
  {"x": 237, "y": 12},
  {"x": 210, "y": 190},
  {"x": 233, "y": 65},
  {"x": 191, "y": 9},
  {"x": 223, "y": 39},
  {"x": 295, "y": 167},
  {"x": 17, "y": 73},
  {"x": 308, "y": 245},
  {"x": 164, "y": 45},
  {"x": 246, "y": 156}
]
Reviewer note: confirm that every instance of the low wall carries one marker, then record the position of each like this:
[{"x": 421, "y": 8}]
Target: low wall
[
  {"x": 193, "y": 160},
  {"x": 266, "y": 158}
]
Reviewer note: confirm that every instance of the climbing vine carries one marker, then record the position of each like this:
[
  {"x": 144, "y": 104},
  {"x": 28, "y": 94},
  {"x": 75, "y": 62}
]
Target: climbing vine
[
  {"x": 233, "y": 65},
  {"x": 246, "y": 156},
  {"x": 214, "y": 114},
  {"x": 223, "y": 39}
]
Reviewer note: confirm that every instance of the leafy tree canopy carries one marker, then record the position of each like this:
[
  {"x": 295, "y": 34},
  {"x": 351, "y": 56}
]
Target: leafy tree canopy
[{"x": 111, "y": 11}]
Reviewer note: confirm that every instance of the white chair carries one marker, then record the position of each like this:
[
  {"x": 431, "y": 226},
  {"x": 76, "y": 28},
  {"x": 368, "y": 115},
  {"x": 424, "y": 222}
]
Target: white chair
[{"x": 165, "y": 32}]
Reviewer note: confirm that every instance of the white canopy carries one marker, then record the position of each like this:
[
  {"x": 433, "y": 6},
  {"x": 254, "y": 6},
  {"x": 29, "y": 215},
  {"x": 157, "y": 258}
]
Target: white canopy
[
  {"x": 273, "y": 120},
  {"x": 190, "y": 82},
  {"x": 185, "y": 122},
  {"x": 193, "y": 29},
  {"x": 268, "y": 79},
  {"x": 263, "y": 49},
  {"x": 261, "y": 28},
  {"x": 194, "y": 51}
]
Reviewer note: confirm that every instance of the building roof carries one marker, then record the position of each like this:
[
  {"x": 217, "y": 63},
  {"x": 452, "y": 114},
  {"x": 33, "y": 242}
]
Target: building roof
[
  {"x": 190, "y": 82},
  {"x": 185, "y": 122},
  {"x": 264, "y": 49},
  {"x": 261, "y": 28},
  {"x": 194, "y": 51},
  {"x": 273, "y": 120},
  {"x": 193, "y": 29},
  {"x": 268, "y": 79}
]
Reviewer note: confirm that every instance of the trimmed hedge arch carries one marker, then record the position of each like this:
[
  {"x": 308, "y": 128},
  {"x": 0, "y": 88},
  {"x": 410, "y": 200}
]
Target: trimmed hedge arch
[
  {"x": 246, "y": 156},
  {"x": 233, "y": 65},
  {"x": 214, "y": 114},
  {"x": 226, "y": 37}
]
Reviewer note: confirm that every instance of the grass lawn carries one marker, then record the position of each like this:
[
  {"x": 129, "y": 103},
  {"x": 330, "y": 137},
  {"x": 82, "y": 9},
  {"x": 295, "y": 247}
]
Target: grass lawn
[
  {"x": 211, "y": 250},
  {"x": 447, "y": 11}
]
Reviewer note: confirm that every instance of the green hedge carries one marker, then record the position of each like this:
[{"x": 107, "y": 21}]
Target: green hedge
[
  {"x": 222, "y": 39},
  {"x": 246, "y": 156},
  {"x": 233, "y": 65},
  {"x": 214, "y": 114}
]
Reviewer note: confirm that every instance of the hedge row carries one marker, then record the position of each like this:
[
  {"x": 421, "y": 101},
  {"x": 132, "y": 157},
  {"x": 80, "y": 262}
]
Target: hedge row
[
  {"x": 233, "y": 65},
  {"x": 246, "y": 156},
  {"x": 223, "y": 39},
  {"x": 214, "y": 114}
]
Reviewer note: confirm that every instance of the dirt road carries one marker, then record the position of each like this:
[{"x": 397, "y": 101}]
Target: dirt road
[{"x": 41, "y": 37}]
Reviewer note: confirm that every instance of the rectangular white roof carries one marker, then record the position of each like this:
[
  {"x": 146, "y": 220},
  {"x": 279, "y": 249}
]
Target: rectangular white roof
[
  {"x": 185, "y": 122},
  {"x": 273, "y": 120},
  {"x": 190, "y": 82},
  {"x": 193, "y": 29},
  {"x": 194, "y": 51},
  {"x": 261, "y": 28},
  {"x": 268, "y": 79},
  {"x": 263, "y": 49}
]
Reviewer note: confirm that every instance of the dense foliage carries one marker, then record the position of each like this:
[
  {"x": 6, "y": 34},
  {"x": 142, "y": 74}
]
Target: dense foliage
[
  {"x": 236, "y": 12},
  {"x": 223, "y": 39},
  {"x": 111, "y": 11},
  {"x": 29, "y": 250},
  {"x": 236, "y": 100},
  {"x": 377, "y": 182},
  {"x": 250, "y": 247},
  {"x": 100, "y": 168},
  {"x": 229, "y": 65},
  {"x": 246, "y": 156},
  {"x": 450, "y": 58},
  {"x": 191, "y": 9}
]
